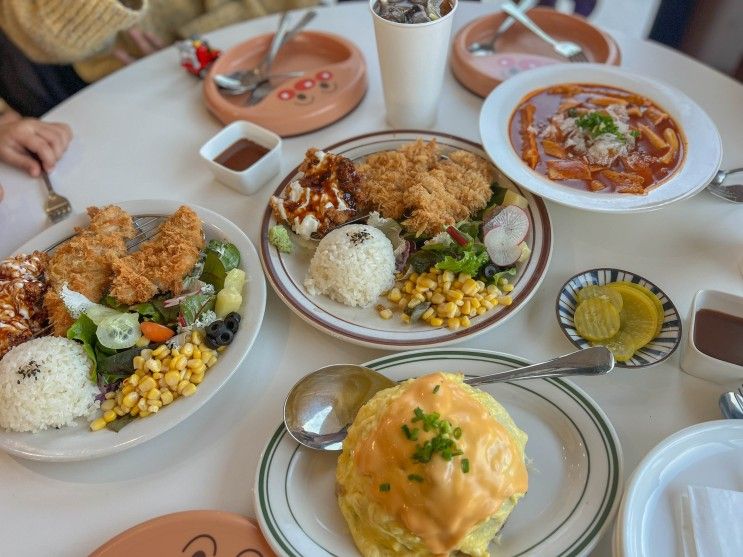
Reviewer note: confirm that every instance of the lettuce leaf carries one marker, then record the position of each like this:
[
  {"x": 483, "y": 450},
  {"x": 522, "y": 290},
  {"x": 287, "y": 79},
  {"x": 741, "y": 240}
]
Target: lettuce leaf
[
  {"x": 83, "y": 330},
  {"x": 470, "y": 262}
]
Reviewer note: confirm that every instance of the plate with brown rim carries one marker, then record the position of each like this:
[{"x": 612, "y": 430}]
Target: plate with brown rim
[{"x": 286, "y": 272}]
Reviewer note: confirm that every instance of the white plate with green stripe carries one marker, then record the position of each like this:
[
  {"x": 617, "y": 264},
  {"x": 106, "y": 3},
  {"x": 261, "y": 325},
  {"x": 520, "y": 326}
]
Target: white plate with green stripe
[{"x": 575, "y": 470}]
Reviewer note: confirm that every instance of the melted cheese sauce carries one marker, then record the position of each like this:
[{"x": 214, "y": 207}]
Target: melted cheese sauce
[{"x": 447, "y": 504}]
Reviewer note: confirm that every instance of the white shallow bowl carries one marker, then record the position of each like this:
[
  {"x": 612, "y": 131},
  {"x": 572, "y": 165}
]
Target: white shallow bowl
[
  {"x": 703, "y": 143},
  {"x": 77, "y": 442},
  {"x": 697, "y": 363},
  {"x": 575, "y": 468},
  {"x": 708, "y": 454},
  {"x": 254, "y": 177}
]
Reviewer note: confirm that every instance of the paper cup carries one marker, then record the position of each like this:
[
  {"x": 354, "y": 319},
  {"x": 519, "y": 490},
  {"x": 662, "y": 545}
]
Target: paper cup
[{"x": 412, "y": 58}]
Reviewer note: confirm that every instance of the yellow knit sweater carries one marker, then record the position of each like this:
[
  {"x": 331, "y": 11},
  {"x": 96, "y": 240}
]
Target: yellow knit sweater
[{"x": 84, "y": 32}]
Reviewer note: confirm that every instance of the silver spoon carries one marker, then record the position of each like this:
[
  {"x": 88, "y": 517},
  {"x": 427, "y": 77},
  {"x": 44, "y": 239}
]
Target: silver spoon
[
  {"x": 321, "y": 406},
  {"x": 488, "y": 48},
  {"x": 730, "y": 406},
  {"x": 731, "y": 192}
]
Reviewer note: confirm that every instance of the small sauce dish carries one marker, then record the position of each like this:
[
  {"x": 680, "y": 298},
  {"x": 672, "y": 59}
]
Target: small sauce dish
[
  {"x": 721, "y": 316},
  {"x": 243, "y": 156}
]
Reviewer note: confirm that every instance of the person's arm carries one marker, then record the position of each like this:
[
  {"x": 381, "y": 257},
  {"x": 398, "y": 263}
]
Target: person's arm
[
  {"x": 65, "y": 31},
  {"x": 22, "y": 141}
]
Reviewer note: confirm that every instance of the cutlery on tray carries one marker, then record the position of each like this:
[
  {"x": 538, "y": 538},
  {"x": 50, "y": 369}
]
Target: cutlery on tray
[
  {"x": 569, "y": 50},
  {"x": 731, "y": 404},
  {"x": 488, "y": 48},
  {"x": 731, "y": 192},
  {"x": 57, "y": 206}
]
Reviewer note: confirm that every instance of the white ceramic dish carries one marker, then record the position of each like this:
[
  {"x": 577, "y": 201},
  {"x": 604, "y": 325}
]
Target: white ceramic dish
[
  {"x": 78, "y": 442},
  {"x": 703, "y": 143},
  {"x": 697, "y": 363},
  {"x": 286, "y": 273},
  {"x": 260, "y": 172},
  {"x": 707, "y": 454},
  {"x": 575, "y": 474}
]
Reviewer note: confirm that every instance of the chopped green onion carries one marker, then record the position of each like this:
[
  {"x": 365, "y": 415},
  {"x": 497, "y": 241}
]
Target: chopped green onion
[
  {"x": 457, "y": 433},
  {"x": 436, "y": 389},
  {"x": 415, "y": 478},
  {"x": 384, "y": 487},
  {"x": 410, "y": 434},
  {"x": 465, "y": 465}
]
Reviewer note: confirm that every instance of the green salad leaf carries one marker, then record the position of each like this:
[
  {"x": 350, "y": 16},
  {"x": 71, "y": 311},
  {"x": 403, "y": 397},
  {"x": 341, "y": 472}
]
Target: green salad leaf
[
  {"x": 119, "y": 423},
  {"x": 221, "y": 258},
  {"x": 83, "y": 330},
  {"x": 469, "y": 262},
  {"x": 510, "y": 272},
  {"x": 116, "y": 365},
  {"x": 149, "y": 312},
  {"x": 194, "y": 306}
]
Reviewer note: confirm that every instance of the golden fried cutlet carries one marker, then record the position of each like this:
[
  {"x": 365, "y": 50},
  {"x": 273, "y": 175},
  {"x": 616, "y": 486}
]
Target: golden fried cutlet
[
  {"x": 162, "y": 262},
  {"x": 424, "y": 190},
  {"x": 84, "y": 263}
]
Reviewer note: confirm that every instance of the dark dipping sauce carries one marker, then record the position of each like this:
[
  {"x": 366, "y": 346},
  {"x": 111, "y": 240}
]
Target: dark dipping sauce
[
  {"x": 719, "y": 335},
  {"x": 241, "y": 155}
]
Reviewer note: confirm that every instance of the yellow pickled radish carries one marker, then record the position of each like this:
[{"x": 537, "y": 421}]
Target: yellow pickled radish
[
  {"x": 638, "y": 316},
  {"x": 596, "y": 319},
  {"x": 620, "y": 345},
  {"x": 228, "y": 300},
  {"x": 596, "y": 291},
  {"x": 660, "y": 312}
]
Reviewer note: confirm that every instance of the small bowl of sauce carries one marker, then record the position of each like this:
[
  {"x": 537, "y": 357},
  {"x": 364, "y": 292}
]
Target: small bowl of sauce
[
  {"x": 714, "y": 348},
  {"x": 243, "y": 156}
]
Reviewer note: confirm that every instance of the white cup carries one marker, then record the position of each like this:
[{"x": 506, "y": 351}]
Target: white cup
[{"x": 412, "y": 58}]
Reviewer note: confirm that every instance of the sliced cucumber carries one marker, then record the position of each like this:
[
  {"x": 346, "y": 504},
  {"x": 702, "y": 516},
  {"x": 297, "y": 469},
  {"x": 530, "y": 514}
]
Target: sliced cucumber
[
  {"x": 98, "y": 313},
  {"x": 119, "y": 331}
]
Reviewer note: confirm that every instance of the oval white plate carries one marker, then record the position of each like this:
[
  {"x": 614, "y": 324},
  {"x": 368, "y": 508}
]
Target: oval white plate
[
  {"x": 707, "y": 454},
  {"x": 703, "y": 143},
  {"x": 286, "y": 273},
  {"x": 78, "y": 442},
  {"x": 575, "y": 473}
]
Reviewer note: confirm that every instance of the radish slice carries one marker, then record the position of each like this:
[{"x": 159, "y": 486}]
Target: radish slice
[
  {"x": 511, "y": 224},
  {"x": 505, "y": 256},
  {"x": 488, "y": 219}
]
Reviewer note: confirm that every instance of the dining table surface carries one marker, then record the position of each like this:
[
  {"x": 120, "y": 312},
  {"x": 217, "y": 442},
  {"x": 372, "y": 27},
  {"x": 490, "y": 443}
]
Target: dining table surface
[{"x": 137, "y": 134}]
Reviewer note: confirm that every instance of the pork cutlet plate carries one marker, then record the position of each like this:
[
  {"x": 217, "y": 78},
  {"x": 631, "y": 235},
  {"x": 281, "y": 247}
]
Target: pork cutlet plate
[
  {"x": 575, "y": 468},
  {"x": 77, "y": 442},
  {"x": 286, "y": 272}
]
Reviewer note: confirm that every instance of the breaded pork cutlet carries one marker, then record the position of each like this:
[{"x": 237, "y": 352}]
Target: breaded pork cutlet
[
  {"x": 424, "y": 190},
  {"x": 84, "y": 263},
  {"x": 162, "y": 262}
]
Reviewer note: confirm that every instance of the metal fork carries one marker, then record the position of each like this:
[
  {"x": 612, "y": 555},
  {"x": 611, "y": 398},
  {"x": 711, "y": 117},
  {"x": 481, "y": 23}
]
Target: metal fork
[
  {"x": 57, "y": 206},
  {"x": 569, "y": 50},
  {"x": 731, "y": 192}
]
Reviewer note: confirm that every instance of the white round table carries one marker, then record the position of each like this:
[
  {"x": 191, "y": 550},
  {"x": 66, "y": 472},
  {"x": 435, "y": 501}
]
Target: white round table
[{"x": 137, "y": 135}]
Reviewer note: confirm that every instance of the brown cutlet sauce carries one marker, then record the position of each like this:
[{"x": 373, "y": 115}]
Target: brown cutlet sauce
[
  {"x": 241, "y": 155},
  {"x": 719, "y": 335}
]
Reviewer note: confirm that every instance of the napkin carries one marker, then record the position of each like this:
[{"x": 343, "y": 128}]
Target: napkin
[{"x": 712, "y": 522}]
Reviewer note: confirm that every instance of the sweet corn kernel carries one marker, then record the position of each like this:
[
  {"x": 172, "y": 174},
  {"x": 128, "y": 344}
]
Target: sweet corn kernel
[
  {"x": 414, "y": 302},
  {"x": 454, "y": 295},
  {"x": 448, "y": 276},
  {"x": 212, "y": 361},
  {"x": 197, "y": 379},
  {"x": 143, "y": 413},
  {"x": 466, "y": 307},
  {"x": 394, "y": 295},
  {"x": 437, "y": 298},
  {"x": 126, "y": 389},
  {"x": 109, "y": 416},
  {"x": 146, "y": 354},
  {"x": 464, "y": 321},
  {"x": 469, "y": 287},
  {"x": 138, "y": 362},
  {"x": 134, "y": 412},
  {"x": 119, "y": 411},
  {"x": 129, "y": 400},
  {"x": 197, "y": 353},
  {"x": 507, "y": 288},
  {"x": 153, "y": 365},
  {"x": 108, "y": 404},
  {"x": 174, "y": 352},
  {"x": 188, "y": 390},
  {"x": 180, "y": 362},
  {"x": 142, "y": 341},
  {"x": 196, "y": 338},
  {"x": 160, "y": 351},
  {"x": 453, "y": 323},
  {"x": 481, "y": 310},
  {"x": 153, "y": 394},
  {"x": 152, "y": 409},
  {"x": 427, "y": 314},
  {"x": 199, "y": 370},
  {"x": 97, "y": 424},
  {"x": 146, "y": 384},
  {"x": 182, "y": 385},
  {"x": 413, "y": 277},
  {"x": 436, "y": 322},
  {"x": 505, "y": 300},
  {"x": 403, "y": 303},
  {"x": 157, "y": 376},
  {"x": 187, "y": 349},
  {"x": 166, "y": 362},
  {"x": 487, "y": 304},
  {"x": 166, "y": 398},
  {"x": 141, "y": 372},
  {"x": 446, "y": 286},
  {"x": 172, "y": 378},
  {"x": 193, "y": 363},
  {"x": 385, "y": 313},
  {"x": 405, "y": 318},
  {"x": 142, "y": 404},
  {"x": 109, "y": 395}
]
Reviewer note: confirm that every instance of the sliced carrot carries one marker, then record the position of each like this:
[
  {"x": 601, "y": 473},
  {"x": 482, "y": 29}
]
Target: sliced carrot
[{"x": 156, "y": 332}]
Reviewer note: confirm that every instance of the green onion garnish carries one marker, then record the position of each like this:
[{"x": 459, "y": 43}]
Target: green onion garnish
[
  {"x": 415, "y": 478},
  {"x": 436, "y": 389},
  {"x": 384, "y": 487},
  {"x": 465, "y": 465}
]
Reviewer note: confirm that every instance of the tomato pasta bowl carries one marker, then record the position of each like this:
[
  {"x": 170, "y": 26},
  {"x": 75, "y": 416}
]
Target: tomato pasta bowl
[{"x": 600, "y": 138}]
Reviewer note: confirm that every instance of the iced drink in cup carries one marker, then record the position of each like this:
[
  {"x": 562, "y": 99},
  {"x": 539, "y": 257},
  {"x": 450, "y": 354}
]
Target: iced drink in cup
[{"x": 412, "y": 42}]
